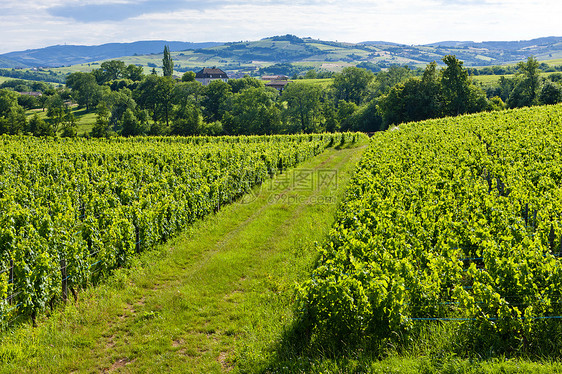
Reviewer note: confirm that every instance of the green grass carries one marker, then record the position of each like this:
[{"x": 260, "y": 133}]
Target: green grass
[
  {"x": 490, "y": 80},
  {"x": 84, "y": 119},
  {"x": 323, "y": 83},
  {"x": 83, "y": 68},
  {"x": 556, "y": 61},
  {"x": 429, "y": 350},
  {"x": 5, "y": 79}
]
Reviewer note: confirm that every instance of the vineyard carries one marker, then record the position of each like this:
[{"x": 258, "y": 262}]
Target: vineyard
[
  {"x": 456, "y": 221},
  {"x": 74, "y": 210}
]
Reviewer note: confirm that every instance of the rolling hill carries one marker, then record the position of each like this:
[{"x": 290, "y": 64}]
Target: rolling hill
[
  {"x": 64, "y": 55},
  {"x": 248, "y": 57}
]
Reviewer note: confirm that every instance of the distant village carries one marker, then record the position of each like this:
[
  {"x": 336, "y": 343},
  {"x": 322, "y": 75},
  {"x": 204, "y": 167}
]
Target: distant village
[{"x": 207, "y": 75}]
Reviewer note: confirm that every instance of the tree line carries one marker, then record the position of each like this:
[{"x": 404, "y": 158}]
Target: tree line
[
  {"x": 127, "y": 102},
  {"x": 44, "y": 76},
  {"x": 451, "y": 91}
]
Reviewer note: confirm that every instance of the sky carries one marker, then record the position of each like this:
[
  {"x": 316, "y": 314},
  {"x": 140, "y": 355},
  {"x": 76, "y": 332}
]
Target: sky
[{"x": 27, "y": 24}]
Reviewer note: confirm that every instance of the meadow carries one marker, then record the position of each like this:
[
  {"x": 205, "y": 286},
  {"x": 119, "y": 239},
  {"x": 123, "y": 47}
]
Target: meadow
[{"x": 85, "y": 119}]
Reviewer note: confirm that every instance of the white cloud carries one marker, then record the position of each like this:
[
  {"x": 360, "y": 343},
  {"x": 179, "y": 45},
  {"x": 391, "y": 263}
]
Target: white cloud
[{"x": 30, "y": 23}]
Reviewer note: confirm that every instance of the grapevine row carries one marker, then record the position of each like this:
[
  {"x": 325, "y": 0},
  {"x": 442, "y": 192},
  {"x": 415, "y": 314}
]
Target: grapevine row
[
  {"x": 457, "y": 219},
  {"x": 73, "y": 210}
]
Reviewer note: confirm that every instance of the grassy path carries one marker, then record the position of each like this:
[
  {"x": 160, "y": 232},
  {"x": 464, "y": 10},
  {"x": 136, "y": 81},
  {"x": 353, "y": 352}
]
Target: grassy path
[{"x": 215, "y": 299}]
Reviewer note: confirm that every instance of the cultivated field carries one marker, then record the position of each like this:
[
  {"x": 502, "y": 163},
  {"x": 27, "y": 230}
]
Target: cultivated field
[{"x": 451, "y": 223}]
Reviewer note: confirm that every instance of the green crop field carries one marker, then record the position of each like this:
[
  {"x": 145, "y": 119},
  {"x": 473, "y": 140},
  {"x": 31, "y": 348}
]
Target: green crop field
[
  {"x": 444, "y": 256},
  {"x": 213, "y": 299},
  {"x": 117, "y": 198},
  {"x": 454, "y": 223}
]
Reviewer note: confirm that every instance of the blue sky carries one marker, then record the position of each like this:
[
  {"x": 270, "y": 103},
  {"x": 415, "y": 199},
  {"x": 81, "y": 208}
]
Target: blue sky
[{"x": 28, "y": 24}]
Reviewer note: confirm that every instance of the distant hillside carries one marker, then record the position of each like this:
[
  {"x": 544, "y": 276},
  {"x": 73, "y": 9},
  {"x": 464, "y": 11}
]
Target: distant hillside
[
  {"x": 8, "y": 63},
  {"x": 499, "y": 45},
  {"x": 479, "y": 54},
  {"x": 275, "y": 54},
  {"x": 285, "y": 54},
  {"x": 63, "y": 55}
]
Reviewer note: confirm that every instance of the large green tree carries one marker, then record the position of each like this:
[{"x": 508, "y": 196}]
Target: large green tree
[
  {"x": 167, "y": 63},
  {"x": 134, "y": 73},
  {"x": 188, "y": 76},
  {"x": 455, "y": 86},
  {"x": 155, "y": 94},
  {"x": 216, "y": 95},
  {"x": 8, "y": 100},
  {"x": 28, "y": 101},
  {"x": 85, "y": 89},
  {"x": 188, "y": 92},
  {"x": 109, "y": 70},
  {"x": 252, "y": 111},
  {"x": 431, "y": 92},
  {"x": 69, "y": 127},
  {"x": 118, "y": 102},
  {"x": 56, "y": 112},
  {"x": 243, "y": 83},
  {"x": 132, "y": 125},
  {"x": 368, "y": 118},
  {"x": 389, "y": 78},
  {"x": 414, "y": 99},
  {"x": 402, "y": 103},
  {"x": 345, "y": 114},
  {"x": 352, "y": 84},
  {"x": 37, "y": 126},
  {"x": 551, "y": 93},
  {"x": 304, "y": 107},
  {"x": 526, "y": 91},
  {"x": 187, "y": 120},
  {"x": 101, "y": 127},
  {"x": 14, "y": 121}
]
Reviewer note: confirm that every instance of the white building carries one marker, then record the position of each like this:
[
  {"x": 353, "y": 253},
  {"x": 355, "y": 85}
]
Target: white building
[{"x": 207, "y": 75}]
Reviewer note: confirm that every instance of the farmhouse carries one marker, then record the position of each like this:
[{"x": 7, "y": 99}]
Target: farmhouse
[
  {"x": 279, "y": 85},
  {"x": 207, "y": 75}
]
